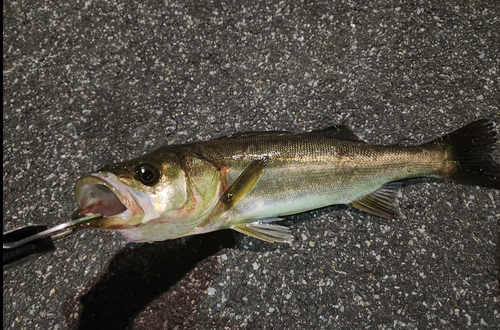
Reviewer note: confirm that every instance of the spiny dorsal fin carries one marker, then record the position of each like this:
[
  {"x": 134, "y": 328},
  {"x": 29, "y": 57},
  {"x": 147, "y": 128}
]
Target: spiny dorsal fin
[
  {"x": 340, "y": 132},
  {"x": 244, "y": 184},
  {"x": 383, "y": 202},
  {"x": 266, "y": 232}
]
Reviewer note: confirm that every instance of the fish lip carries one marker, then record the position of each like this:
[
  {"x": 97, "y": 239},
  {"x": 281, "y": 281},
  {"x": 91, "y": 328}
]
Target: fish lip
[{"x": 89, "y": 185}]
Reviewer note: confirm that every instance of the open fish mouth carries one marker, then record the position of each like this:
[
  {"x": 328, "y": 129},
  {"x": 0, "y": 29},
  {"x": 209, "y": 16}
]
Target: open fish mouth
[{"x": 104, "y": 193}]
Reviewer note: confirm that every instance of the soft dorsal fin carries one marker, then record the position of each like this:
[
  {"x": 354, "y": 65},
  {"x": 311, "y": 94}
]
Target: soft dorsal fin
[
  {"x": 383, "y": 202},
  {"x": 340, "y": 132}
]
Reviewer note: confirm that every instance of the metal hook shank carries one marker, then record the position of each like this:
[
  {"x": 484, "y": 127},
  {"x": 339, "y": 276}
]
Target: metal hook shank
[{"x": 52, "y": 232}]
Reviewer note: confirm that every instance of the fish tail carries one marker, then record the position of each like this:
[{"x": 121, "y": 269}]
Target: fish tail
[{"x": 469, "y": 154}]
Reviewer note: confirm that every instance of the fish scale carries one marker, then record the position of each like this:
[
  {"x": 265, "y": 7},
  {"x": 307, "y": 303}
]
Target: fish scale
[{"x": 326, "y": 172}]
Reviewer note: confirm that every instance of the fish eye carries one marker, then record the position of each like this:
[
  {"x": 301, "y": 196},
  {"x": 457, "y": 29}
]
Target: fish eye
[{"x": 147, "y": 174}]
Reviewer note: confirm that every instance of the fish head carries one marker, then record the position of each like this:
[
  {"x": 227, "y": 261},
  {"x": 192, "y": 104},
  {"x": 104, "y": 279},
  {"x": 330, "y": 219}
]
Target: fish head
[{"x": 131, "y": 194}]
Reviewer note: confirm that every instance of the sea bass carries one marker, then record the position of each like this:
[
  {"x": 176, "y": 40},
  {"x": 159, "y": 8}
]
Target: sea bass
[{"x": 247, "y": 182}]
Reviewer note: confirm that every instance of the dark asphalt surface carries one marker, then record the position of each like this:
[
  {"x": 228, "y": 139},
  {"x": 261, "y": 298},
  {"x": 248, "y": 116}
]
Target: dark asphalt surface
[{"x": 87, "y": 83}]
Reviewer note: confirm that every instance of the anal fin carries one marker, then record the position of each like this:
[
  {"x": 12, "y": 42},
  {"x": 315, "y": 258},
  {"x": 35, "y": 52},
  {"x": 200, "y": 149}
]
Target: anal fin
[
  {"x": 383, "y": 202},
  {"x": 266, "y": 232}
]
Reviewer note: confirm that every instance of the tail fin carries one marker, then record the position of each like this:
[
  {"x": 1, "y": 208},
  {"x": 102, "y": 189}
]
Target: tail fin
[{"x": 471, "y": 147}]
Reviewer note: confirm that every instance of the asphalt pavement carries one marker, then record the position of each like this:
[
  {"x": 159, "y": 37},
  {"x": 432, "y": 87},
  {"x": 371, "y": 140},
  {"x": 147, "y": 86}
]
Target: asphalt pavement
[{"x": 87, "y": 83}]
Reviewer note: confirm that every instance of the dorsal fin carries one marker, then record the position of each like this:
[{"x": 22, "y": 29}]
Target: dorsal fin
[
  {"x": 340, "y": 132},
  {"x": 253, "y": 134}
]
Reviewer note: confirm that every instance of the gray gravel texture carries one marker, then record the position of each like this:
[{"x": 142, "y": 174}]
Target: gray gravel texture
[{"x": 87, "y": 83}]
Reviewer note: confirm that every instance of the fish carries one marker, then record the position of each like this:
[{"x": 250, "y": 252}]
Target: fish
[{"x": 249, "y": 181}]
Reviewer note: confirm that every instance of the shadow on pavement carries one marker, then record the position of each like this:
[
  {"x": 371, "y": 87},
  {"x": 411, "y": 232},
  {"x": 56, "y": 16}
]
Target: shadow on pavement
[
  {"x": 498, "y": 258},
  {"x": 136, "y": 276}
]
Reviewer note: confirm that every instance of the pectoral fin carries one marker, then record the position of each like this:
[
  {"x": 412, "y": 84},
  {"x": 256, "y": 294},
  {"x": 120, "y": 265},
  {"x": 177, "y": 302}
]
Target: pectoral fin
[
  {"x": 383, "y": 202},
  {"x": 266, "y": 232},
  {"x": 239, "y": 189},
  {"x": 244, "y": 184}
]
